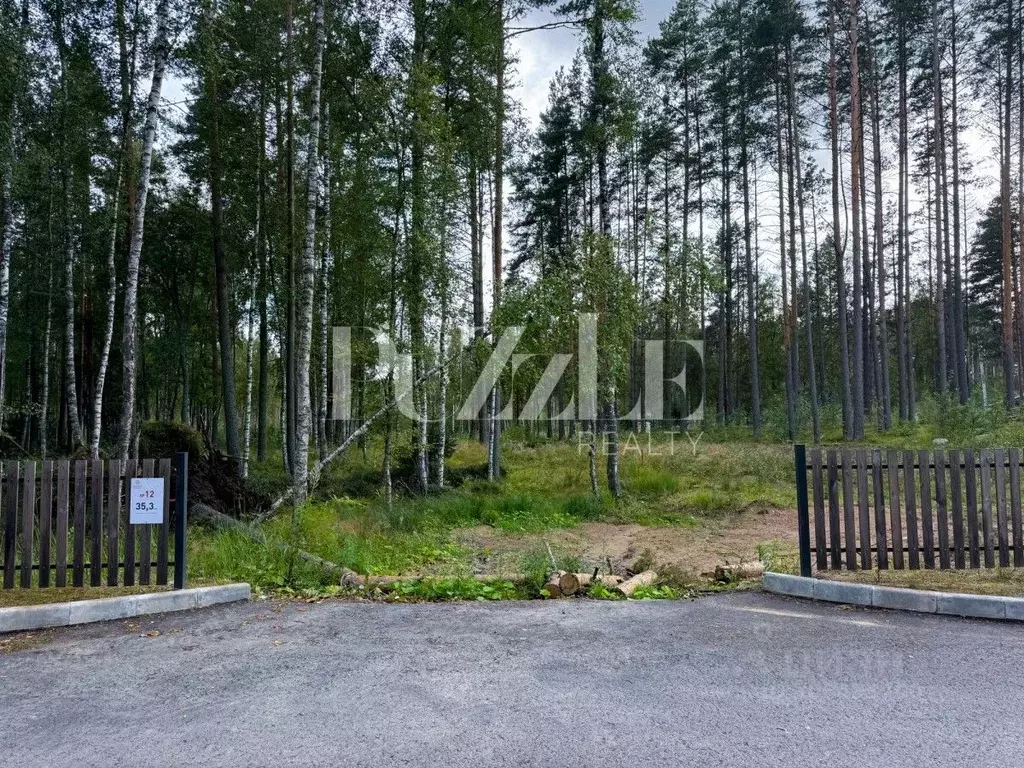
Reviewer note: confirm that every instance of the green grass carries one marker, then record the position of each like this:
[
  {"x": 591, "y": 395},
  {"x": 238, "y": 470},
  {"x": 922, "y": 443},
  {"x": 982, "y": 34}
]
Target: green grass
[
  {"x": 987, "y": 581},
  {"x": 546, "y": 488},
  {"x": 35, "y": 596}
]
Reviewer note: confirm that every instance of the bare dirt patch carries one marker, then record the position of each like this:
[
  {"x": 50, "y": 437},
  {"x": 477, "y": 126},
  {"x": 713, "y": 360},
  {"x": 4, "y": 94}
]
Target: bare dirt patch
[{"x": 729, "y": 538}]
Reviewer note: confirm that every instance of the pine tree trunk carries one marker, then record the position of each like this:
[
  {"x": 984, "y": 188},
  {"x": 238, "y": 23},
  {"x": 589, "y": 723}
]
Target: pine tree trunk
[
  {"x": 1007, "y": 216},
  {"x": 959, "y": 322},
  {"x": 752, "y": 287},
  {"x": 857, "y": 148},
  {"x": 839, "y": 247},
  {"x": 812, "y": 374},
  {"x": 937, "y": 127},
  {"x": 225, "y": 326},
  {"x": 787, "y": 328},
  {"x": 498, "y": 230},
  {"x": 161, "y": 51},
  {"x": 884, "y": 394},
  {"x": 304, "y": 413}
]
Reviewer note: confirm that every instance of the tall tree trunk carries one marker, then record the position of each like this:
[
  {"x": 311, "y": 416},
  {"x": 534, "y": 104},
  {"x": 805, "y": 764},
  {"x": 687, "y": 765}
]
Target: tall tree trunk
[
  {"x": 939, "y": 143},
  {"x": 291, "y": 416},
  {"x": 498, "y": 231},
  {"x": 326, "y": 268},
  {"x": 247, "y": 404},
  {"x": 161, "y": 51},
  {"x": 127, "y": 97},
  {"x": 797, "y": 171},
  {"x": 304, "y": 414},
  {"x": 787, "y": 327},
  {"x": 838, "y": 243},
  {"x": 884, "y": 394},
  {"x": 857, "y": 148},
  {"x": 44, "y": 399},
  {"x": 1007, "y": 214},
  {"x": 225, "y": 326},
  {"x": 752, "y": 287},
  {"x": 263, "y": 408}
]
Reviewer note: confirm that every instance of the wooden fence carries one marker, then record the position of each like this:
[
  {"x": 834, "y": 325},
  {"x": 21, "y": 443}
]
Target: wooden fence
[
  {"x": 904, "y": 509},
  {"x": 71, "y": 516}
]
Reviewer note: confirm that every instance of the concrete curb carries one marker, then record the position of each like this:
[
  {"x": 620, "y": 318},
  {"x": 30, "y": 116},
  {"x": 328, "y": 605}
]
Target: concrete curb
[
  {"x": 21, "y": 618},
  {"x": 916, "y": 600}
]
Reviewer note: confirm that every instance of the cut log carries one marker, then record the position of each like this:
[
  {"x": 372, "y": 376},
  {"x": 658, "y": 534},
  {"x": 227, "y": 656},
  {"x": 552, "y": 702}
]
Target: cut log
[
  {"x": 754, "y": 569},
  {"x": 575, "y": 583},
  {"x": 569, "y": 584},
  {"x": 554, "y": 585},
  {"x": 644, "y": 579}
]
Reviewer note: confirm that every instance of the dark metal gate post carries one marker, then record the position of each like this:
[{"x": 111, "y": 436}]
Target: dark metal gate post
[
  {"x": 180, "y": 519},
  {"x": 802, "y": 512}
]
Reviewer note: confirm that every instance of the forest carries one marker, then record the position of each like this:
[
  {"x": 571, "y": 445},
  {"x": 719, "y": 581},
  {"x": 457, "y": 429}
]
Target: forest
[{"x": 194, "y": 195}]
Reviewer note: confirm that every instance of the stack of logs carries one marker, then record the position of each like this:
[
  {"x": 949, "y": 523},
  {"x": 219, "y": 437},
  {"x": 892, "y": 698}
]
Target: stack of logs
[{"x": 565, "y": 584}]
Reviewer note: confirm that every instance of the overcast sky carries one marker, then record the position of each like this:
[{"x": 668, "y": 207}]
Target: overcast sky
[{"x": 541, "y": 53}]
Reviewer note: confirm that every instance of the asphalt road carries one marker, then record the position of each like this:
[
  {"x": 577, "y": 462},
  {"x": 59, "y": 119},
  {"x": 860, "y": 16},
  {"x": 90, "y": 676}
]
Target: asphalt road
[{"x": 735, "y": 680}]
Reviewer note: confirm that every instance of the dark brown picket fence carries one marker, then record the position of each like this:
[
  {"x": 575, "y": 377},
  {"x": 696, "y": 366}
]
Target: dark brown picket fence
[
  {"x": 60, "y": 520},
  {"x": 874, "y": 508}
]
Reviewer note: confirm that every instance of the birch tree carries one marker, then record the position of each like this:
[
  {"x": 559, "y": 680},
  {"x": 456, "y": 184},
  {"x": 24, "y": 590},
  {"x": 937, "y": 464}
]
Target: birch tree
[
  {"x": 129, "y": 345},
  {"x": 307, "y": 270}
]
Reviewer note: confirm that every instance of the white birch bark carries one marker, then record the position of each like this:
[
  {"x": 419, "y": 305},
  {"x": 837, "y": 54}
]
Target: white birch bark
[
  {"x": 44, "y": 426},
  {"x": 70, "y": 380},
  {"x": 7, "y": 226},
  {"x": 424, "y": 465},
  {"x": 247, "y": 414},
  {"x": 325, "y": 294},
  {"x": 6, "y": 249},
  {"x": 304, "y": 412},
  {"x": 108, "y": 332},
  {"x": 442, "y": 440},
  {"x": 161, "y": 52}
]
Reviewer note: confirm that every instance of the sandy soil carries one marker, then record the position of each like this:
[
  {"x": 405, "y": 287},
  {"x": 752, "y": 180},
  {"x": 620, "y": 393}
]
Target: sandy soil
[{"x": 727, "y": 539}]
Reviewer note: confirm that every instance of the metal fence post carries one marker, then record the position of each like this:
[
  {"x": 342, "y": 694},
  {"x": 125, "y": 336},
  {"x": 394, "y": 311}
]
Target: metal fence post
[
  {"x": 802, "y": 511},
  {"x": 180, "y": 519}
]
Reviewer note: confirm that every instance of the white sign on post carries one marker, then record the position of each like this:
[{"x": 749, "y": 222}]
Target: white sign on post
[{"x": 147, "y": 501}]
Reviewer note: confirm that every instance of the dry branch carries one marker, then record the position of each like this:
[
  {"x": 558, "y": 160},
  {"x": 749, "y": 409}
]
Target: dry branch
[{"x": 314, "y": 476}]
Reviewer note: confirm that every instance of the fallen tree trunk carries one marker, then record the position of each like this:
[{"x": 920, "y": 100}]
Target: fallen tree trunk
[
  {"x": 388, "y": 583},
  {"x": 644, "y": 579},
  {"x": 314, "y": 475},
  {"x": 574, "y": 583},
  {"x": 202, "y": 512},
  {"x": 753, "y": 569}
]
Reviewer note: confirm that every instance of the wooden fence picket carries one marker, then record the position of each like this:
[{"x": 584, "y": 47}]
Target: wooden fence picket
[
  {"x": 63, "y": 470},
  {"x": 10, "y": 498},
  {"x": 96, "y": 566},
  {"x": 60, "y": 515},
  {"x": 941, "y": 509},
  {"x": 961, "y": 509},
  {"x": 45, "y": 523},
  {"x": 881, "y": 539}
]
